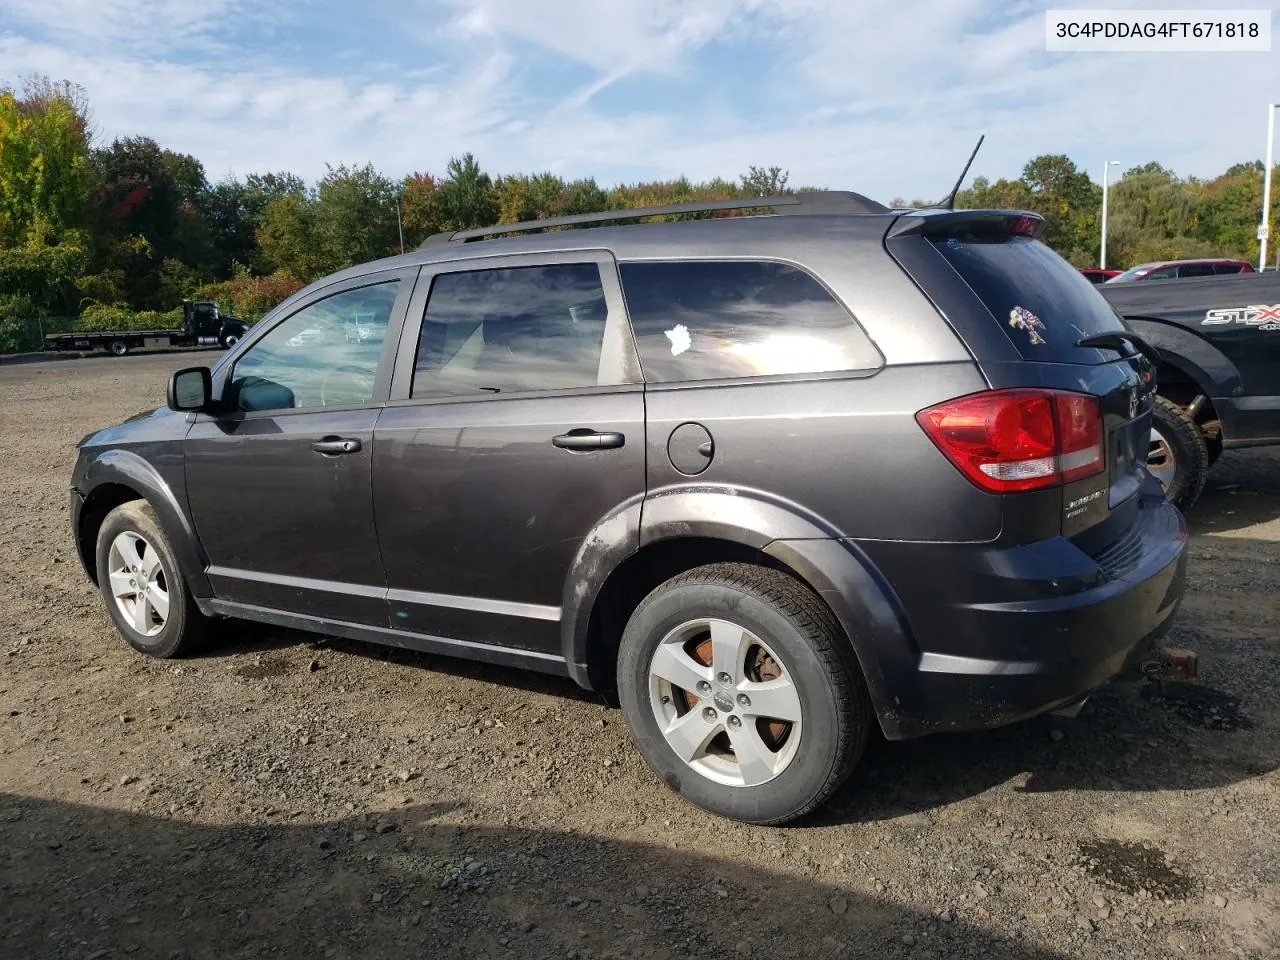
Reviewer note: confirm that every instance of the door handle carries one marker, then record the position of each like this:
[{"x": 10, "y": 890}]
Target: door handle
[
  {"x": 589, "y": 440},
  {"x": 333, "y": 446}
]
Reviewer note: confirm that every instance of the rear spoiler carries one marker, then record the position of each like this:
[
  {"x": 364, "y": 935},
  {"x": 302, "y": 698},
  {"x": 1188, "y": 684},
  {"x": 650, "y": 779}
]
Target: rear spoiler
[
  {"x": 1126, "y": 343},
  {"x": 943, "y": 223}
]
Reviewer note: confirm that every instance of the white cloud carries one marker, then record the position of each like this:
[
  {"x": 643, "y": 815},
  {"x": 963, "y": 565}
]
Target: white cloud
[
  {"x": 884, "y": 97},
  {"x": 150, "y": 25}
]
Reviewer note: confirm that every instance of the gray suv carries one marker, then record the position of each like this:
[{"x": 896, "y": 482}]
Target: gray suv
[{"x": 771, "y": 480}]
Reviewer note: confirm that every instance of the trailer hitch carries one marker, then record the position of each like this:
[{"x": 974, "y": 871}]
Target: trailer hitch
[{"x": 1170, "y": 663}]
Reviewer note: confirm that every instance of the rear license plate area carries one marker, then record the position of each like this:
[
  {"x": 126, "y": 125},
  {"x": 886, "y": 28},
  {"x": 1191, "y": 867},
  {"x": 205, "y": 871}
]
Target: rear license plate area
[{"x": 1127, "y": 447}]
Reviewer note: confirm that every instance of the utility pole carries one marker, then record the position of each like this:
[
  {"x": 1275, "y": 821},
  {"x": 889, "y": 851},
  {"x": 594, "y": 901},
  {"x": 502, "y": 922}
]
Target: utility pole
[
  {"x": 1106, "y": 169},
  {"x": 399, "y": 201},
  {"x": 1264, "y": 228}
]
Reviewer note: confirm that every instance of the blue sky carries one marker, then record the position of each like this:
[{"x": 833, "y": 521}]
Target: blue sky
[{"x": 881, "y": 96}]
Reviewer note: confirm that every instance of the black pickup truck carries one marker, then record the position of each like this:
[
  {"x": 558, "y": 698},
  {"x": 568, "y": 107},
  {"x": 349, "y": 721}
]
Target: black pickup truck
[
  {"x": 1218, "y": 340},
  {"x": 202, "y": 326}
]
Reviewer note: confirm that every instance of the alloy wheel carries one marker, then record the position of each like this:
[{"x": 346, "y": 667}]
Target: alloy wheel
[
  {"x": 1161, "y": 461},
  {"x": 138, "y": 583},
  {"x": 725, "y": 702}
]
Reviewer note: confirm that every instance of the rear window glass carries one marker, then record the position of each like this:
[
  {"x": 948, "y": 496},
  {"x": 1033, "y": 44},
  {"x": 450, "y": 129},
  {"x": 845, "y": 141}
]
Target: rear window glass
[
  {"x": 713, "y": 320},
  {"x": 1043, "y": 303}
]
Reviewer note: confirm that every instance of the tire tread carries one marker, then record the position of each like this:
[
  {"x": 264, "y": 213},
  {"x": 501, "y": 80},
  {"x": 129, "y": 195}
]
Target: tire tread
[{"x": 1189, "y": 482}]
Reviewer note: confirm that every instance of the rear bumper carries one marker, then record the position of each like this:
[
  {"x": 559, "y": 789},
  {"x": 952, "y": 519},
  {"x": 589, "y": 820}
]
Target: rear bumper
[
  {"x": 1050, "y": 625},
  {"x": 1248, "y": 421}
]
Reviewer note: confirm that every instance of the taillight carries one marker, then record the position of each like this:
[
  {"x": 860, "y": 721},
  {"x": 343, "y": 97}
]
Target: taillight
[{"x": 1006, "y": 441}]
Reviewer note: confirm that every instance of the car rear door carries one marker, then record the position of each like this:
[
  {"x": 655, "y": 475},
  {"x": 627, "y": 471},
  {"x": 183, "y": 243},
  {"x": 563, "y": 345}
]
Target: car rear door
[
  {"x": 515, "y": 425},
  {"x": 279, "y": 480}
]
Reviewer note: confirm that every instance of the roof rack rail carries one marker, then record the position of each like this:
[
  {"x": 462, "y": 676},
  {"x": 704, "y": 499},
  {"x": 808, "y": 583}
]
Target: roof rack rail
[{"x": 811, "y": 202}]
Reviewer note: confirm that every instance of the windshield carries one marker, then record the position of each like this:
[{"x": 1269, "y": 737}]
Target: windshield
[{"x": 1043, "y": 304}]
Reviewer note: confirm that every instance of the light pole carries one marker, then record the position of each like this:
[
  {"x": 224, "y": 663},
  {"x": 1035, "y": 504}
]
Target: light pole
[
  {"x": 1264, "y": 228},
  {"x": 1106, "y": 170}
]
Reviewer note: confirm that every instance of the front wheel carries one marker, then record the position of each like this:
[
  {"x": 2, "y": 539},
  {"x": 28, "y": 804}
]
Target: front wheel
[
  {"x": 742, "y": 692},
  {"x": 230, "y": 340},
  {"x": 1178, "y": 456},
  {"x": 146, "y": 597}
]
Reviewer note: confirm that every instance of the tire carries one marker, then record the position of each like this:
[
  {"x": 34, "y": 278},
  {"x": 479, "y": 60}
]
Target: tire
[
  {"x": 753, "y": 610},
  {"x": 1214, "y": 447},
  {"x": 230, "y": 340},
  {"x": 1178, "y": 456},
  {"x": 118, "y": 347},
  {"x": 131, "y": 533}
]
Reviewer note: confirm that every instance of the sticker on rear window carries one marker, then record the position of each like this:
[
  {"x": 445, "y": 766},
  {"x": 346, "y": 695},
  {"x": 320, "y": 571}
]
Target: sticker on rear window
[
  {"x": 680, "y": 339},
  {"x": 1023, "y": 319}
]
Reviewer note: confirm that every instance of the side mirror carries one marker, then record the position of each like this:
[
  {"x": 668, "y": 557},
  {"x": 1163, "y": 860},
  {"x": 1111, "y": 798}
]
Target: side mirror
[{"x": 190, "y": 389}]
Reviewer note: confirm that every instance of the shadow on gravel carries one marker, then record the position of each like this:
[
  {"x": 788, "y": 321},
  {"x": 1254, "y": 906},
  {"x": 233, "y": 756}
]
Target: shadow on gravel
[
  {"x": 86, "y": 882},
  {"x": 1243, "y": 491},
  {"x": 1130, "y": 737}
]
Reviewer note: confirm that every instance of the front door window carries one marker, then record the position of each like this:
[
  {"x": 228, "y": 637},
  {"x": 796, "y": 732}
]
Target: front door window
[{"x": 325, "y": 355}]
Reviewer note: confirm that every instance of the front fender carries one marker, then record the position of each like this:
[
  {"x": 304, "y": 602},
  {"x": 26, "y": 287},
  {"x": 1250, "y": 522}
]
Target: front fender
[{"x": 124, "y": 467}]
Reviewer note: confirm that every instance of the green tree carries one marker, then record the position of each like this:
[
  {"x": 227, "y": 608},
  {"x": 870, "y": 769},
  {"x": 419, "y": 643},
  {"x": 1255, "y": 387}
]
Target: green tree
[
  {"x": 466, "y": 195},
  {"x": 421, "y": 207},
  {"x": 234, "y": 210},
  {"x": 44, "y": 158},
  {"x": 286, "y": 235},
  {"x": 44, "y": 275},
  {"x": 136, "y": 217},
  {"x": 764, "y": 181},
  {"x": 355, "y": 216}
]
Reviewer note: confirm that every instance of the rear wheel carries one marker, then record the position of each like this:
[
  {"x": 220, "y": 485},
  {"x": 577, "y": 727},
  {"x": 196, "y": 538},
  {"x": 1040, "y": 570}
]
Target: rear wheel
[
  {"x": 146, "y": 597},
  {"x": 118, "y": 347},
  {"x": 742, "y": 692},
  {"x": 1178, "y": 456}
]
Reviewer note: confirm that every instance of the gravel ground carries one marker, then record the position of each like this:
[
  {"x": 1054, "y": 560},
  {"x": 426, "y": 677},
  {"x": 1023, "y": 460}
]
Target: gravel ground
[{"x": 288, "y": 796}]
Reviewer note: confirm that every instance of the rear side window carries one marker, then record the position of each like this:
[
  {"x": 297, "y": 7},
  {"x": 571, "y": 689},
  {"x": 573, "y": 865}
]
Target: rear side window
[
  {"x": 713, "y": 320},
  {"x": 511, "y": 331},
  {"x": 1043, "y": 303},
  {"x": 1225, "y": 268}
]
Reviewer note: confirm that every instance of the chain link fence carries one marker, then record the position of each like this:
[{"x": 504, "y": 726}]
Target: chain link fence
[{"x": 25, "y": 334}]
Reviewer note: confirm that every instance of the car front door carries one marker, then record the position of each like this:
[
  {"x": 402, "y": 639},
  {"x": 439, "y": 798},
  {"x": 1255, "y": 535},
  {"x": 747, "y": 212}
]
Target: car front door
[
  {"x": 279, "y": 480},
  {"x": 516, "y": 423}
]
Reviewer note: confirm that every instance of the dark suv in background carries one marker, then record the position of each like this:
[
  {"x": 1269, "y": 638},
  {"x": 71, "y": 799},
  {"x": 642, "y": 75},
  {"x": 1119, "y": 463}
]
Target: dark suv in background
[{"x": 771, "y": 479}]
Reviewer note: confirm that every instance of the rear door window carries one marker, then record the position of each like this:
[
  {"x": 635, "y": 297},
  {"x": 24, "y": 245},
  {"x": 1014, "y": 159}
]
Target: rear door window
[
  {"x": 511, "y": 330},
  {"x": 716, "y": 320},
  {"x": 1196, "y": 270},
  {"x": 1042, "y": 303}
]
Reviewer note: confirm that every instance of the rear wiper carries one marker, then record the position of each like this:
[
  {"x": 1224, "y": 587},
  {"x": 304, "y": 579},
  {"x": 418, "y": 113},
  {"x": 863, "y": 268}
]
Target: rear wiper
[{"x": 1125, "y": 343}]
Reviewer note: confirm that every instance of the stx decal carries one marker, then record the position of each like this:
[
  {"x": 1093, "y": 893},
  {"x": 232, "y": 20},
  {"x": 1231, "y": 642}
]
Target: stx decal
[{"x": 1256, "y": 315}]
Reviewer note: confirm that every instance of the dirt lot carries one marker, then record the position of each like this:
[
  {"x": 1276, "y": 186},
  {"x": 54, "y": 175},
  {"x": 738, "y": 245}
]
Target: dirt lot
[{"x": 284, "y": 796}]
